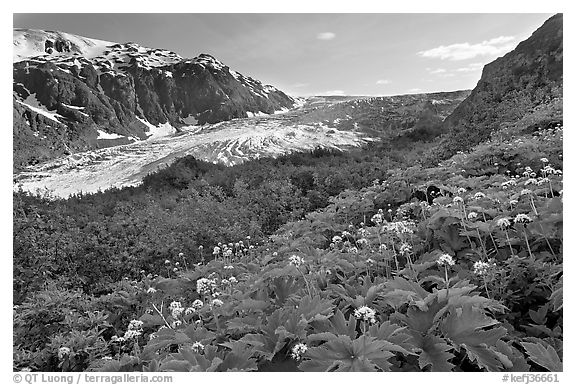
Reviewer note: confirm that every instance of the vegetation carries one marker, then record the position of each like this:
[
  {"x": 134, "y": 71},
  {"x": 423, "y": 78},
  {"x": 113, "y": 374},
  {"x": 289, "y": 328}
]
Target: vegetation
[{"x": 312, "y": 262}]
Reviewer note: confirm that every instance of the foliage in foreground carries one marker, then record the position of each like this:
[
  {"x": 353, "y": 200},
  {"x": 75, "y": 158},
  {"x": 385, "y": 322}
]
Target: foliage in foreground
[{"x": 472, "y": 282}]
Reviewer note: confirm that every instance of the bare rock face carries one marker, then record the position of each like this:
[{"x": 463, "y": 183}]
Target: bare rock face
[
  {"x": 510, "y": 87},
  {"x": 72, "y": 93}
]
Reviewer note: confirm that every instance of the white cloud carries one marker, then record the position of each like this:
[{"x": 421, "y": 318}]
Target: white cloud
[
  {"x": 472, "y": 67},
  {"x": 462, "y": 51},
  {"x": 383, "y": 81},
  {"x": 326, "y": 36},
  {"x": 332, "y": 93},
  {"x": 436, "y": 71}
]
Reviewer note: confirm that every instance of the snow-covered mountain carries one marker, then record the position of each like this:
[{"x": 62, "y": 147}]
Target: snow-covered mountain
[{"x": 73, "y": 93}]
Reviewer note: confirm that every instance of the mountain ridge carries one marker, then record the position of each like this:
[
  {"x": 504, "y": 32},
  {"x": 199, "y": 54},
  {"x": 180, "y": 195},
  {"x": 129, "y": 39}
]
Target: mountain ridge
[{"x": 65, "y": 96}]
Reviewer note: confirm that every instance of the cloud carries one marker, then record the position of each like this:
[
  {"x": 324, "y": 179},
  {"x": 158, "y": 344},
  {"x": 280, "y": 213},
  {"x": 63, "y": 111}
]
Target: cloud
[
  {"x": 383, "y": 81},
  {"x": 332, "y": 93},
  {"x": 472, "y": 67},
  {"x": 326, "y": 36},
  {"x": 414, "y": 90},
  {"x": 436, "y": 71},
  {"x": 462, "y": 51},
  {"x": 299, "y": 85}
]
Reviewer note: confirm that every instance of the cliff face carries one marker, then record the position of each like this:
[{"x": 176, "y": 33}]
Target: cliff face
[
  {"x": 510, "y": 87},
  {"x": 73, "y": 94}
]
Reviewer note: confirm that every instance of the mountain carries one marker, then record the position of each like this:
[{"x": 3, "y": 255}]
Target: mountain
[
  {"x": 527, "y": 79},
  {"x": 73, "y": 94}
]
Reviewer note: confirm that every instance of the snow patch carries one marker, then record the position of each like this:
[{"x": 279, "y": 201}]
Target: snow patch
[
  {"x": 106, "y": 135},
  {"x": 162, "y": 130}
]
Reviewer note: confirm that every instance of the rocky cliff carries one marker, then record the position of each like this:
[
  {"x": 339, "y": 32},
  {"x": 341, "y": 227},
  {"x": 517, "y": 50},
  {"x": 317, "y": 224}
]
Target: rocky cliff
[
  {"x": 510, "y": 87},
  {"x": 73, "y": 94}
]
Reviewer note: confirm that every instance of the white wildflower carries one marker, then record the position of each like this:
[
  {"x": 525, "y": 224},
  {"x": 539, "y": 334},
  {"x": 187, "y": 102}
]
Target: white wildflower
[
  {"x": 472, "y": 215},
  {"x": 197, "y": 347},
  {"x": 216, "y": 303},
  {"x": 296, "y": 260},
  {"x": 63, "y": 352},
  {"x": 366, "y": 314},
  {"x": 522, "y": 218},
  {"x": 298, "y": 350},
  {"x": 135, "y": 325},
  {"x": 503, "y": 222},
  {"x": 151, "y": 290},
  {"x": 445, "y": 259},
  {"x": 479, "y": 195}
]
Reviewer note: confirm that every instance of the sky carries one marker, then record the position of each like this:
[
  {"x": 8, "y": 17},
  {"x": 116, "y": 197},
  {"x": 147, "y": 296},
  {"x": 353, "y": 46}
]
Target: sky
[{"x": 315, "y": 54}]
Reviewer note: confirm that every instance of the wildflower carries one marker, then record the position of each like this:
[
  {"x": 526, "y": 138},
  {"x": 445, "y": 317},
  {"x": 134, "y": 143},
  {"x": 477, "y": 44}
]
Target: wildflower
[
  {"x": 472, "y": 215},
  {"x": 346, "y": 234},
  {"x": 461, "y": 190},
  {"x": 370, "y": 261},
  {"x": 532, "y": 175},
  {"x": 503, "y": 222},
  {"x": 366, "y": 314},
  {"x": 189, "y": 310},
  {"x": 197, "y": 347},
  {"x": 63, "y": 352},
  {"x": 525, "y": 192},
  {"x": 135, "y": 325},
  {"x": 298, "y": 350},
  {"x": 176, "y": 323},
  {"x": 216, "y": 250},
  {"x": 458, "y": 200},
  {"x": 107, "y": 358},
  {"x": 130, "y": 334},
  {"x": 544, "y": 160},
  {"x": 445, "y": 259},
  {"x": 522, "y": 218},
  {"x": 167, "y": 262},
  {"x": 228, "y": 267},
  {"x": 353, "y": 250},
  {"x": 26, "y": 369},
  {"x": 479, "y": 195},
  {"x": 225, "y": 282},
  {"x": 530, "y": 181},
  {"x": 382, "y": 248},
  {"x": 233, "y": 280},
  {"x": 405, "y": 248},
  {"x": 336, "y": 239},
  {"x": 216, "y": 303},
  {"x": 296, "y": 260},
  {"x": 248, "y": 237},
  {"x": 204, "y": 285},
  {"x": 481, "y": 268},
  {"x": 175, "y": 305},
  {"x": 362, "y": 242},
  {"x": 528, "y": 169},
  {"x": 378, "y": 217},
  {"x": 151, "y": 290},
  {"x": 542, "y": 181},
  {"x": 175, "y": 269},
  {"x": 198, "y": 323},
  {"x": 200, "y": 247},
  {"x": 180, "y": 255},
  {"x": 513, "y": 202}
]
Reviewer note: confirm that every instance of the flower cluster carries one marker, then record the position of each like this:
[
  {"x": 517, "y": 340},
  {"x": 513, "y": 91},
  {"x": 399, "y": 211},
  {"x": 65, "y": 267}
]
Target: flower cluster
[
  {"x": 63, "y": 352},
  {"x": 205, "y": 286},
  {"x": 176, "y": 309},
  {"x": 366, "y": 314},
  {"x": 522, "y": 218},
  {"x": 197, "y": 347},
  {"x": 378, "y": 218},
  {"x": 482, "y": 268},
  {"x": 296, "y": 260},
  {"x": 298, "y": 350},
  {"x": 445, "y": 259},
  {"x": 400, "y": 227},
  {"x": 503, "y": 222}
]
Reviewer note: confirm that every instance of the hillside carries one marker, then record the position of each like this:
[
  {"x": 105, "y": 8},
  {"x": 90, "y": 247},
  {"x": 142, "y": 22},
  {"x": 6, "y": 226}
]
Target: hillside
[{"x": 512, "y": 86}]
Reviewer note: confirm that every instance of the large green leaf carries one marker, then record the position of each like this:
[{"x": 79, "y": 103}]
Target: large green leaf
[
  {"x": 434, "y": 351},
  {"x": 345, "y": 354},
  {"x": 463, "y": 327},
  {"x": 543, "y": 355}
]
